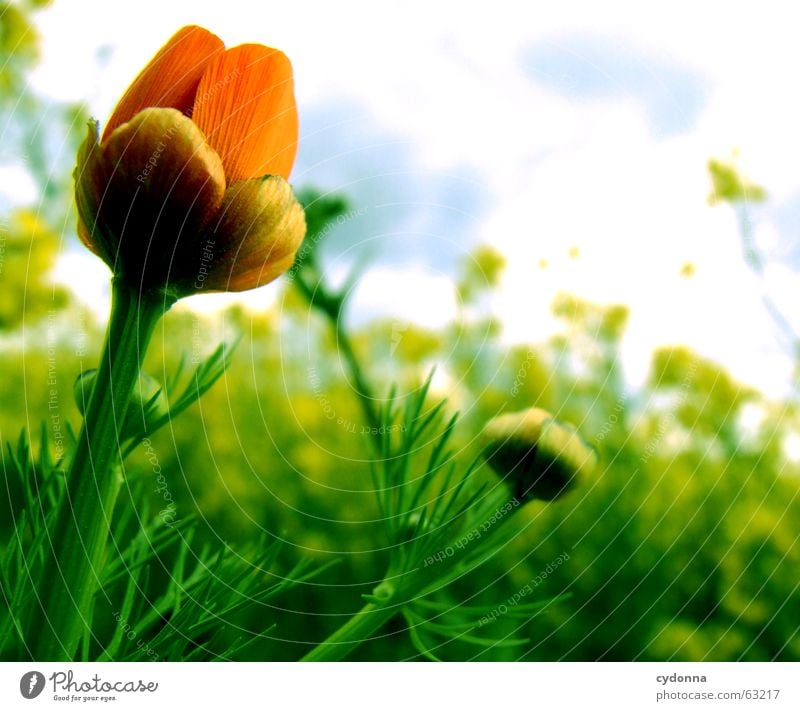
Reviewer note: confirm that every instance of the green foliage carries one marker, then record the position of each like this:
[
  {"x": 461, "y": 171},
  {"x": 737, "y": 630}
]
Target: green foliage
[
  {"x": 481, "y": 272},
  {"x": 30, "y": 237},
  {"x": 683, "y": 546},
  {"x": 675, "y": 529},
  {"x": 19, "y": 48},
  {"x": 729, "y": 186},
  {"x": 163, "y": 597},
  {"x": 27, "y": 254}
]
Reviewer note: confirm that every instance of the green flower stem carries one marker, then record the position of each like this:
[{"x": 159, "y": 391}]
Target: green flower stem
[
  {"x": 363, "y": 389},
  {"x": 331, "y": 306},
  {"x": 359, "y": 628},
  {"x": 79, "y": 533}
]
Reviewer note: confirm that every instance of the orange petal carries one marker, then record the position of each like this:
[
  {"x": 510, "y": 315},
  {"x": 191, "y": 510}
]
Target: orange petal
[
  {"x": 259, "y": 230},
  {"x": 245, "y": 105},
  {"x": 170, "y": 79}
]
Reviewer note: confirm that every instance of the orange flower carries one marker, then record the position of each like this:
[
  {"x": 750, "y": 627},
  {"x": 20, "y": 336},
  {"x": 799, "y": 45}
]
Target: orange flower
[{"x": 187, "y": 188}]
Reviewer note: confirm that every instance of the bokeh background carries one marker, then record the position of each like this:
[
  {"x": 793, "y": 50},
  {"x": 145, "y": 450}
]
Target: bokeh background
[{"x": 589, "y": 208}]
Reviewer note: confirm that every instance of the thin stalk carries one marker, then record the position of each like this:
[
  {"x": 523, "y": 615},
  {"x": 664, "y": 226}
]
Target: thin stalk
[
  {"x": 359, "y": 628},
  {"x": 363, "y": 389},
  {"x": 78, "y": 535},
  {"x": 332, "y": 307},
  {"x": 756, "y": 263}
]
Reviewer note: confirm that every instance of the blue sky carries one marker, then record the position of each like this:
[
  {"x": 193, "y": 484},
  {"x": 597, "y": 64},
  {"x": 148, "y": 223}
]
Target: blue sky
[
  {"x": 595, "y": 67},
  {"x": 533, "y": 127}
]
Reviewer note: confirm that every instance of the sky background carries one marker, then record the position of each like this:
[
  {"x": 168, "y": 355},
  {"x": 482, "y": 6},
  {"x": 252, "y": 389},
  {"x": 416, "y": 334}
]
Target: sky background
[{"x": 540, "y": 129}]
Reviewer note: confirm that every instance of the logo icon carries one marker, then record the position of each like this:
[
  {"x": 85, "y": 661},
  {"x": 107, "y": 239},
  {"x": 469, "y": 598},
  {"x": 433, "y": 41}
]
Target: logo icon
[
  {"x": 31, "y": 684},
  {"x": 398, "y": 329}
]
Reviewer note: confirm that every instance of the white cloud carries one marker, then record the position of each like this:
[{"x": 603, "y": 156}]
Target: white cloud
[
  {"x": 410, "y": 294},
  {"x": 17, "y": 187}
]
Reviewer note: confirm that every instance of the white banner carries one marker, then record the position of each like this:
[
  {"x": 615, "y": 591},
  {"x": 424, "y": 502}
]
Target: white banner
[{"x": 401, "y": 687}]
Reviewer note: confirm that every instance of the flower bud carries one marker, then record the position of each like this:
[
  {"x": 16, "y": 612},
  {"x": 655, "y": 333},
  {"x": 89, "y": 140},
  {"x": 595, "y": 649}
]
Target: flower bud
[
  {"x": 541, "y": 457},
  {"x": 186, "y": 189}
]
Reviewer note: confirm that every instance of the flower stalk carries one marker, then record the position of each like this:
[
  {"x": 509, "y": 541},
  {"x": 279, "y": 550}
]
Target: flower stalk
[
  {"x": 78, "y": 534},
  {"x": 359, "y": 628}
]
